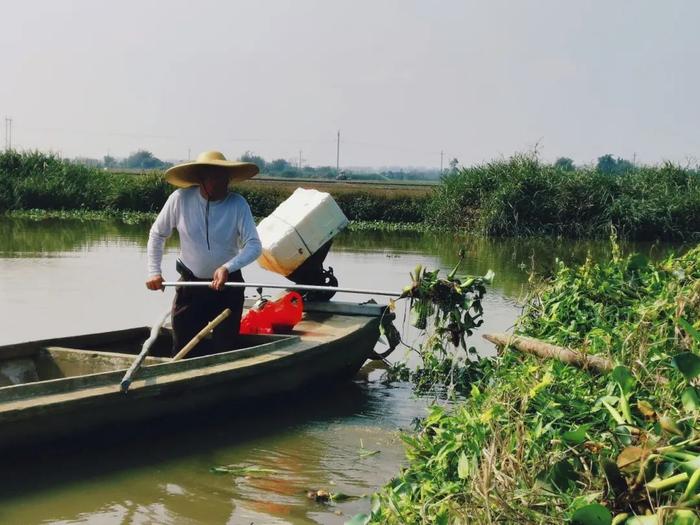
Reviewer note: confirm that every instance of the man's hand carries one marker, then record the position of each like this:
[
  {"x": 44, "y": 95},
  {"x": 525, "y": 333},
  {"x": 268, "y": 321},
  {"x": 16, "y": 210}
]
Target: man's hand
[
  {"x": 219, "y": 279},
  {"x": 155, "y": 282}
]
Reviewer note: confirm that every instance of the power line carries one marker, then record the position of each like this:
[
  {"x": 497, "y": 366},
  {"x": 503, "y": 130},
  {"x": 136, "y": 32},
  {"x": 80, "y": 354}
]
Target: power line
[{"x": 261, "y": 140}]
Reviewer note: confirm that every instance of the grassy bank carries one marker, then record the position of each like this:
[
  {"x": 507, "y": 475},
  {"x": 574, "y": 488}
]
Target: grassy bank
[
  {"x": 540, "y": 441},
  {"x": 30, "y": 181},
  {"x": 515, "y": 197},
  {"x": 523, "y": 196}
]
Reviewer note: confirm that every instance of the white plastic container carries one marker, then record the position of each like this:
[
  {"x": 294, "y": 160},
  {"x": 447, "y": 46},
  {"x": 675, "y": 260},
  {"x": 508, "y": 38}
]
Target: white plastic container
[{"x": 299, "y": 226}]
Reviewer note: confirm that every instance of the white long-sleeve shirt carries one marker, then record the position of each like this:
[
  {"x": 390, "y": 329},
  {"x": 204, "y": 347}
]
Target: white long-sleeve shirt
[{"x": 233, "y": 240}]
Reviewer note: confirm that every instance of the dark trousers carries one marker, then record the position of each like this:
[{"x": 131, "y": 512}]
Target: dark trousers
[{"x": 194, "y": 307}]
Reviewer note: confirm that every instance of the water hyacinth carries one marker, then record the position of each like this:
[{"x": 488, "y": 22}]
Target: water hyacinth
[
  {"x": 540, "y": 441},
  {"x": 448, "y": 309}
]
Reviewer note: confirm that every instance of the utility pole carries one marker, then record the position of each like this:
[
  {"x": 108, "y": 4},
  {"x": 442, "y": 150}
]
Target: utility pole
[
  {"x": 337, "y": 156},
  {"x": 300, "y": 160},
  {"x": 442, "y": 153},
  {"x": 8, "y": 133},
  {"x": 188, "y": 153}
]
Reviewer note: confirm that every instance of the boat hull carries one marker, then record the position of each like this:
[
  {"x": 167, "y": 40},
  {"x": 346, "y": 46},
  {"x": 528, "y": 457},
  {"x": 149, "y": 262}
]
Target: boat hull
[{"x": 327, "y": 348}]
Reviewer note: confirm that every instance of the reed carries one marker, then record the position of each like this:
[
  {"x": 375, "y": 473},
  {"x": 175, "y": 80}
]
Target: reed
[{"x": 523, "y": 196}]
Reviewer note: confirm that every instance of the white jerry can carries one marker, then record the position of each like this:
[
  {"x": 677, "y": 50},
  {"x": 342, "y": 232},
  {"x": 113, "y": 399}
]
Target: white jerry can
[{"x": 297, "y": 228}]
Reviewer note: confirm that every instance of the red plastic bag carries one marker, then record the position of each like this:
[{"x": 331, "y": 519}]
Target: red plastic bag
[{"x": 276, "y": 316}]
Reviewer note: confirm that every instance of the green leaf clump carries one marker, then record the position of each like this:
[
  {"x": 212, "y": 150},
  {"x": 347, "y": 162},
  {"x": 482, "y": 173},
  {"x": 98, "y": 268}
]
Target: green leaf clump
[{"x": 544, "y": 442}]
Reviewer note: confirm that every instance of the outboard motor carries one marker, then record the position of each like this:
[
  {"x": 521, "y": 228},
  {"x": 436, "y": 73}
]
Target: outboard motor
[{"x": 296, "y": 239}]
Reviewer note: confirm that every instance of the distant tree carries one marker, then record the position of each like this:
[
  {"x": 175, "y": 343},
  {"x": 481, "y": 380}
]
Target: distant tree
[
  {"x": 249, "y": 156},
  {"x": 109, "y": 162},
  {"x": 278, "y": 165},
  {"x": 608, "y": 164},
  {"x": 454, "y": 164},
  {"x": 564, "y": 164},
  {"x": 144, "y": 160}
]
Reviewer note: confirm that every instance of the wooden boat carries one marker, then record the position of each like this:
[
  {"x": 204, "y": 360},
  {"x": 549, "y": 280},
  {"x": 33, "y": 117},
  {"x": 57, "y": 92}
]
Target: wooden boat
[{"x": 61, "y": 387}]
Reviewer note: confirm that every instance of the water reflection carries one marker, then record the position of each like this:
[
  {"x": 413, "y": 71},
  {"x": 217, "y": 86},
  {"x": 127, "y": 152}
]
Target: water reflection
[
  {"x": 512, "y": 258},
  {"x": 21, "y": 237},
  {"x": 161, "y": 473}
]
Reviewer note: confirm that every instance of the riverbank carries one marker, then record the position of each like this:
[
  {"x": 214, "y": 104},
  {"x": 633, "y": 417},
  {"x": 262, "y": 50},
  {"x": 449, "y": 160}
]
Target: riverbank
[
  {"x": 30, "y": 181},
  {"x": 138, "y": 217},
  {"x": 520, "y": 196},
  {"x": 541, "y": 441}
]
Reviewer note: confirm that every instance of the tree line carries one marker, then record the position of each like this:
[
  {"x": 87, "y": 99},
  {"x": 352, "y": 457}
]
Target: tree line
[
  {"x": 139, "y": 160},
  {"x": 607, "y": 164},
  {"x": 145, "y": 160}
]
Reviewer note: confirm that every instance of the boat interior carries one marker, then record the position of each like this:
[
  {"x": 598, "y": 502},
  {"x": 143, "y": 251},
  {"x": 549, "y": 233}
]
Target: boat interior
[{"x": 96, "y": 353}]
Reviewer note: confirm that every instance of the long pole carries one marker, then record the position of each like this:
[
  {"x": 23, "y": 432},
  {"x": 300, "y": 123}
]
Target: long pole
[{"x": 302, "y": 287}]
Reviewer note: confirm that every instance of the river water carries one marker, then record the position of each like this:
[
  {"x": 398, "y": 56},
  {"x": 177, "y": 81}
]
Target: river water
[{"x": 70, "y": 277}]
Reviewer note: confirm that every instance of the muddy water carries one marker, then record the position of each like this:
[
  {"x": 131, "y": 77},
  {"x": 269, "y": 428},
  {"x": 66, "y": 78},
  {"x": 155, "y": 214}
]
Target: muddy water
[{"x": 69, "y": 277}]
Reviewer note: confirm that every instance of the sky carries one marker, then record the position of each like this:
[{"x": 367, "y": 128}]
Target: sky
[{"x": 402, "y": 80}]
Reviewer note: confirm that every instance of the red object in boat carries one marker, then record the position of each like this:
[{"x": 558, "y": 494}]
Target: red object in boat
[{"x": 274, "y": 316}]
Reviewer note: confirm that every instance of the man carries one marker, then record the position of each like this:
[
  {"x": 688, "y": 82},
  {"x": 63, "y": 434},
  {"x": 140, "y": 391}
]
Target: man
[{"x": 217, "y": 238}]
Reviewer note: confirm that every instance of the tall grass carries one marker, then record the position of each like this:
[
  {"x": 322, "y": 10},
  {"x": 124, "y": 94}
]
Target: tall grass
[
  {"x": 33, "y": 180},
  {"x": 523, "y": 196},
  {"x": 514, "y": 197}
]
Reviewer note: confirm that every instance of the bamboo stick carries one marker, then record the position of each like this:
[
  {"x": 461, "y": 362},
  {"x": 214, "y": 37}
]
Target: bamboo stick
[
  {"x": 549, "y": 351},
  {"x": 202, "y": 334},
  {"x": 145, "y": 348}
]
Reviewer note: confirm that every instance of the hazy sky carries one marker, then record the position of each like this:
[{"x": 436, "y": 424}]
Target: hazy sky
[{"x": 402, "y": 80}]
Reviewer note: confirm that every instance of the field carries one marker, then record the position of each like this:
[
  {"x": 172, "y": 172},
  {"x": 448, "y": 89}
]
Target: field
[{"x": 385, "y": 188}]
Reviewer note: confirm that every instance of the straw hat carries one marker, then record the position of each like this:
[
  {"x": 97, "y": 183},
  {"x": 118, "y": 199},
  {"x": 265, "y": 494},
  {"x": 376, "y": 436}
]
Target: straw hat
[{"x": 189, "y": 173}]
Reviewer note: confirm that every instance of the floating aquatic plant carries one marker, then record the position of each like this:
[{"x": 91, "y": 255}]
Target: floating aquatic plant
[{"x": 541, "y": 441}]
